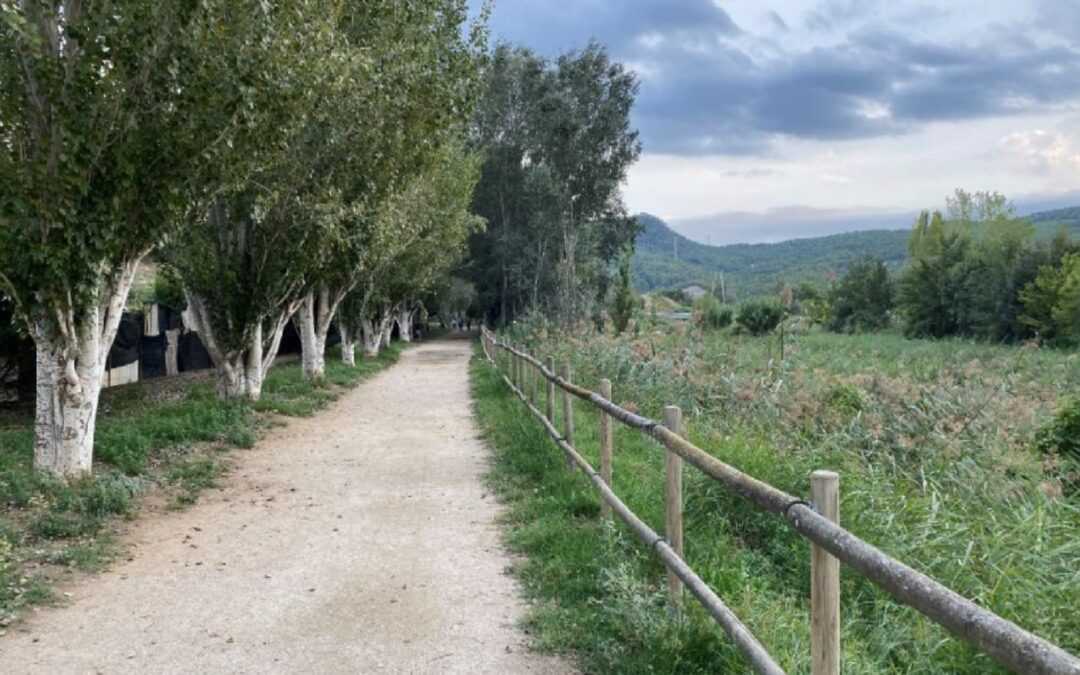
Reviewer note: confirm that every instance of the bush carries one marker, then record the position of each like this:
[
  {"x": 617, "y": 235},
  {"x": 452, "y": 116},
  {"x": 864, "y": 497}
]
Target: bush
[
  {"x": 1060, "y": 439},
  {"x": 759, "y": 317},
  {"x": 862, "y": 300},
  {"x": 712, "y": 315},
  {"x": 1062, "y": 435}
]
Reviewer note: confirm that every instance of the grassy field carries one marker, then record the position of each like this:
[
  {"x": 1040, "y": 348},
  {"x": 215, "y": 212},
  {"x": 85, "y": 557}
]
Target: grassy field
[
  {"x": 169, "y": 437},
  {"x": 935, "y": 445}
]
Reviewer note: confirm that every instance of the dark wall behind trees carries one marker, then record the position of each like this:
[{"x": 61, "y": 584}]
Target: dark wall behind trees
[{"x": 557, "y": 143}]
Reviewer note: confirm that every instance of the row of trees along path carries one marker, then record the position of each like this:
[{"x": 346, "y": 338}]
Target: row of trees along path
[{"x": 295, "y": 157}]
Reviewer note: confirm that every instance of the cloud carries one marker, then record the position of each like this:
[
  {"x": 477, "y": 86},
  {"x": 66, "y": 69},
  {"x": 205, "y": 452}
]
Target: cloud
[
  {"x": 838, "y": 70},
  {"x": 778, "y": 21},
  {"x": 1042, "y": 150}
]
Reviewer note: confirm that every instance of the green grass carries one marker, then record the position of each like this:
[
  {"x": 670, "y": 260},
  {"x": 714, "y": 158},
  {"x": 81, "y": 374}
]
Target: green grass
[
  {"x": 934, "y": 442},
  {"x": 174, "y": 434}
]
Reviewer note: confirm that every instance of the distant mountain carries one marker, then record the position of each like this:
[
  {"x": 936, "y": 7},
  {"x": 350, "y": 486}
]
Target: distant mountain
[{"x": 666, "y": 259}]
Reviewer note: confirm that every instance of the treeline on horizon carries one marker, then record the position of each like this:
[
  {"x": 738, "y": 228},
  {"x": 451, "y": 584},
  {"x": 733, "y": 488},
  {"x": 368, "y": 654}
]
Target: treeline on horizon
[{"x": 977, "y": 271}]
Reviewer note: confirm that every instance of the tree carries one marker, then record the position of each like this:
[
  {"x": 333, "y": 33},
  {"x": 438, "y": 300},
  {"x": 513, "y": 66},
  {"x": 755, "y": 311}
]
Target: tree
[
  {"x": 862, "y": 299},
  {"x": 557, "y": 144},
  {"x": 95, "y": 139},
  {"x": 625, "y": 302},
  {"x": 1067, "y": 308},
  {"x": 583, "y": 137},
  {"x": 420, "y": 90},
  {"x": 432, "y": 223},
  {"x": 258, "y": 217}
]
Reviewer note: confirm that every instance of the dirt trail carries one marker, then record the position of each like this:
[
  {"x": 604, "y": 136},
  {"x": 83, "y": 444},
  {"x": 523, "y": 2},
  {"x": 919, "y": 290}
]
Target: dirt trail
[{"x": 358, "y": 541}]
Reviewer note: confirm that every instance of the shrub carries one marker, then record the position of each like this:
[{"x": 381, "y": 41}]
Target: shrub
[
  {"x": 712, "y": 315},
  {"x": 862, "y": 300},
  {"x": 1062, "y": 435},
  {"x": 1060, "y": 439},
  {"x": 759, "y": 317}
]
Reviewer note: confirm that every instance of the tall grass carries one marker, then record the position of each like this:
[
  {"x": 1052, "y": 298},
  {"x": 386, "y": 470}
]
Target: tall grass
[{"x": 934, "y": 442}]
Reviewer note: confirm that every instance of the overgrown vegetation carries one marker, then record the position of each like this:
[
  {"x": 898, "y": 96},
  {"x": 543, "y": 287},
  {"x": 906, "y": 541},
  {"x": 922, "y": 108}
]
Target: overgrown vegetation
[
  {"x": 937, "y": 443},
  {"x": 171, "y": 436},
  {"x": 759, "y": 317}
]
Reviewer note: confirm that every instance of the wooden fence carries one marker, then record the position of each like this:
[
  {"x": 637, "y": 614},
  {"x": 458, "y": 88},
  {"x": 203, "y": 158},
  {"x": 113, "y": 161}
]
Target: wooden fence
[{"x": 817, "y": 521}]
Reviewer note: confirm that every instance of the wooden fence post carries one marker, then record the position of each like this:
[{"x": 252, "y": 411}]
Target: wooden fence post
[
  {"x": 606, "y": 449},
  {"x": 538, "y": 378},
  {"x": 825, "y": 581},
  {"x": 568, "y": 413},
  {"x": 673, "y": 501},
  {"x": 551, "y": 391}
]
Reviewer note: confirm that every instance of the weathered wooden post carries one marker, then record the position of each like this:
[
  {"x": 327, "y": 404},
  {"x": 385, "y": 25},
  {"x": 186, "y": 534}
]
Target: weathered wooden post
[
  {"x": 673, "y": 501},
  {"x": 606, "y": 449},
  {"x": 551, "y": 391},
  {"x": 568, "y": 413},
  {"x": 538, "y": 385},
  {"x": 825, "y": 581}
]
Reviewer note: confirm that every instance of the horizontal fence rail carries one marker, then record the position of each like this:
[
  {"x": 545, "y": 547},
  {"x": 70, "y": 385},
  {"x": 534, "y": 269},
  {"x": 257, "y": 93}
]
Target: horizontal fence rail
[{"x": 1007, "y": 643}]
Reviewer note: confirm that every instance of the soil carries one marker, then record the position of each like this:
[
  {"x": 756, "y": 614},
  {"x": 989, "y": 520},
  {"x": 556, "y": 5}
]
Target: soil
[{"x": 361, "y": 540}]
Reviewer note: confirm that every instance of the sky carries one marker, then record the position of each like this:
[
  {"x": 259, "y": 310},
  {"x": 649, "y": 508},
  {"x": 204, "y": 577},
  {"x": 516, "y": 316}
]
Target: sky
[{"x": 806, "y": 113}]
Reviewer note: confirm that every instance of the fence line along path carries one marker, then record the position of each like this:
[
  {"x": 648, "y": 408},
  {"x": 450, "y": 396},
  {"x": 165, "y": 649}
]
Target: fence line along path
[{"x": 1007, "y": 643}]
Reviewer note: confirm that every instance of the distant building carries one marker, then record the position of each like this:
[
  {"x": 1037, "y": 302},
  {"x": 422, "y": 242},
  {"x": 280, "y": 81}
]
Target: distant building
[{"x": 693, "y": 292}]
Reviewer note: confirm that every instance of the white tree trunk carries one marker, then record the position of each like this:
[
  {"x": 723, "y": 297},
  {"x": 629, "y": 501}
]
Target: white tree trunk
[
  {"x": 71, "y": 356},
  {"x": 66, "y": 412},
  {"x": 348, "y": 345},
  {"x": 312, "y": 350},
  {"x": 386, "y": 328},
  {"x": 240, "y": 374},
  {"x": 371, "y": 337},
  {"x": 315, "y": 322},
  {"x": 404, "y": 322}
]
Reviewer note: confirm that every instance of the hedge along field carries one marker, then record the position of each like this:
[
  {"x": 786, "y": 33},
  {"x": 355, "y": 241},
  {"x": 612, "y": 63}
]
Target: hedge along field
[
  {"x": 170, "y": 434},
  {"x": 935, "y": 444}
]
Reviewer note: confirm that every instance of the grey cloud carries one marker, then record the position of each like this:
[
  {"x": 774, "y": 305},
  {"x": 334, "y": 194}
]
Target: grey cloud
[
  {"x": 778, "y": 21},
  {"x": 709, "y": 90}
]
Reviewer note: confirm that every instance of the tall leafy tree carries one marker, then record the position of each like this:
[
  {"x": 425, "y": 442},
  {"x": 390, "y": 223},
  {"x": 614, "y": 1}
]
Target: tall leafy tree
[
  {"x": 432, "y": 216},
  {"x": 257, "y": 217},
  {"x": 583, "y": 136},
  {"x": 420, "y": 88},
  {"x": 557, "y": 144},
  {"x": 862, "y": 299},
  {"x": 96, "y": 140}
]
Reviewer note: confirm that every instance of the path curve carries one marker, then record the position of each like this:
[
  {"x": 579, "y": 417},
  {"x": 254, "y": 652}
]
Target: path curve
[{"x": 358, "y": 541}]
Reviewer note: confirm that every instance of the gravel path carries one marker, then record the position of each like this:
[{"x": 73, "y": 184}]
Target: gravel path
[{"x": 357, "y": 541}]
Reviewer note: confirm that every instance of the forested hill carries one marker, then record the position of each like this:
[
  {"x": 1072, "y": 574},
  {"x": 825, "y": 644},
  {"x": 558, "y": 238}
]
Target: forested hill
[
  {"x": 754, "y": 269},
  {"x": 751, "y": 269}
]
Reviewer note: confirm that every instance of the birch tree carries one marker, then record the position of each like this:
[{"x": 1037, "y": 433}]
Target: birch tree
[
  {"x": 420, "y": 89},
  {"x": 93, "y": 148},
  {"x": 261, "y": 218},
  {"x": 432, "y": 222}
]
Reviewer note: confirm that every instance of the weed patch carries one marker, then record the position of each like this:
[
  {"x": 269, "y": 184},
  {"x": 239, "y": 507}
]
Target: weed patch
[{"x": 934, "y": 442}]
